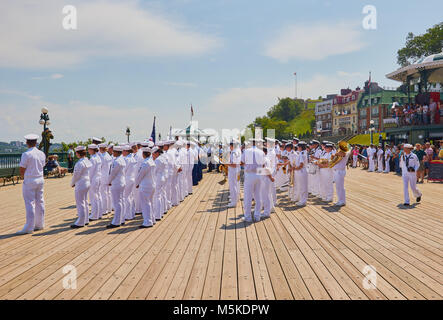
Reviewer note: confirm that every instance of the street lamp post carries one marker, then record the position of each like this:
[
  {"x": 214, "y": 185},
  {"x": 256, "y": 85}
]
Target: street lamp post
[
  {"x": 371, "y": 130},
  {"x": 128, "y": 133},
  {"x": 44, "y": 121}
]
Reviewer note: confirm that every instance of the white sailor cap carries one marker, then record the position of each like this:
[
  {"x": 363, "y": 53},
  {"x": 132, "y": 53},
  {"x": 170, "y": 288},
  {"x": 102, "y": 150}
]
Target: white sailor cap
[
  {"x": 96, "y": 139},
  {"x": 118, "y": 148},
  {"x": 146, "y": 149},
  {"x": 145, "y": 144},
  {"x": 256, "y": 140},
  {"x": 31, "y": 137},
  {"x": 160, "y": 143},
  {"x": 93, "y": 146},
  {"x": 80, "y": 148},
  {"x": 127, "y": 147},
  {"x": 270, "y": 139},
  {"x": 111, "y": 145},
  {"x": 155, "y": 149},
  {"x": 408, "y": 146},
  {"x": 150, "y": 144},
  {"x": 102, "y": 145}
]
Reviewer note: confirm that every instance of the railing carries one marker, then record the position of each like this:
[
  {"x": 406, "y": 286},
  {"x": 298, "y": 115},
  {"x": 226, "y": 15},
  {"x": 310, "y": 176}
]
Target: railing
[{"x": 12, "y": 160}]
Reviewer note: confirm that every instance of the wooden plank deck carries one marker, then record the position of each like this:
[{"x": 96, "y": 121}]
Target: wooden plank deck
[{"x": 203, "y": 250}]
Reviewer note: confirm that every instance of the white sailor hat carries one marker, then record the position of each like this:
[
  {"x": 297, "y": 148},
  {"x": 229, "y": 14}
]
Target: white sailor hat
[
  {"x": 93, "y": 146},
  {"x": 151, "y": 144},
  {"x": 256, "y": 140},
  {"x": 127, "y": 147},
  {"x": 155, "y": 149},
  {"x": 96, "y": 139},
  {"x": 102, "y": 145},
  {"x": 145, "y": 144},
  {"x": 270, "y": 139},
  {"x": 160, "y": 143},
  {"x": 408, "y": 146},
  {"x": 146, "y": 149},
  {"x": 80, "y": 148},
  {"x": 111, "y": 145},
  {"x": 303, "y": 143},
  {"x": 133, "y": 144},
  {"x": 118, "y": 148},
  {"x": 329, "y": 145},
  {"x": 31, "y": 137}
]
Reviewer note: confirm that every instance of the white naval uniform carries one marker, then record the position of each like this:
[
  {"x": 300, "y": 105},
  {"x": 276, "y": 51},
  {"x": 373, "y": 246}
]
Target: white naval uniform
[
  {"x": 409, "y": 178},
  {"x": 117, "y": 182},
  {"x": 371, "y": 160},
  {"x": 317, "y": 180},
  {"x": 104, "y": 187},
  {"x": 160, "y": 199},
  {"x": 253, "y": 158},
  {"x": 292, "y": 156},
  {"x": 380, "y": 160},
  {"x": 339, "y": 179},
  {"x": 326, "y": 179},
  {"x": 272, "y": 156},
  {"x": 181, "y": 177},
  {"x": 132, "y": 167},
  {"x": 33, "y": 160},
  {"x": 82, "y": 182},
  {"x": 233, "y": 174},
  {"x": 266, "y": 188},
  {"x": 139, "y": 157},
  {"x": 146, "y": 182},
  {"x": 187, "y": 169},
  {"x": 388, "y": 155},
  {"x": 95, "y": 173},
  {"x": 301, "y": 178}
]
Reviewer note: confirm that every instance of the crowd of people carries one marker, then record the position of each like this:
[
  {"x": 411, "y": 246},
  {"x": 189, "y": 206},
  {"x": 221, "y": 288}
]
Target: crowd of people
[
  {"x": 417, "y": 114},
  {"x": 148, "y": 179}
]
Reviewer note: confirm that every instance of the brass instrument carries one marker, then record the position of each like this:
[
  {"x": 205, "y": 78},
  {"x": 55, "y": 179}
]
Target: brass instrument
[
  {"x": 342, "y": 148},
  {"x": 224, "y": 170}
]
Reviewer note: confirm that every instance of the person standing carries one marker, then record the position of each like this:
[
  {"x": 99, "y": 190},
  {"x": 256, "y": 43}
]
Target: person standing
[
  {"x": 388, "y": 155},
  {"x": 31, "y": 170},
  {"x": 95, "y": 177},
  {"x": 409, "y": 165},
  {"x": 70, "y": 159},
  {"x": 371, "y": 158},
  {"x": 117, "y": 183},
  {"x": 132, "y": 167},
  {"x": 233, "y": 173},
  {"x": 81, "y": 182},
  {"x": 339, "y": 176},
  {"x": 380, "y": 159},
  {"x": 252, "y": 159},
  {"x": 301, "y": 174},
  {"x": 266, "y": 186},
  {"x": 354, "y": 156},
  {"x": 104, "y": 187},
  {"x": 145, "y": 181},
  {"x": 421, "y": 169},
  {"x": 159, "y": 199},
  {"x": 326, "y": 174},
  {"x": 138, "y": 156}
]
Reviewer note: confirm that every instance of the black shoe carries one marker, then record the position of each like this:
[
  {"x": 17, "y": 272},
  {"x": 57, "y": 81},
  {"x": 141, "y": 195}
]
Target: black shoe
[
  {"x": 418, "y": 199},
  {"x": 87, "y": 224},
  {"x": 406, "y": 204},
  {"x": 74, "y": 226},
  {"x": 145, "y": 227},
  {"x": 138, "y": 213},
  {"x": 157, "y": 219},
  {"x": 112, "y": 226},
  {"x": 123, "y": 224},
  {"x": 92, "y": 219}
]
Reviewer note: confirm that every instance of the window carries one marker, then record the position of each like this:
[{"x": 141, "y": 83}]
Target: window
[
  {"x": 335, "y": 121},
  {"x": 375, "y": 110},
  {"x": 363, "y": 113}
]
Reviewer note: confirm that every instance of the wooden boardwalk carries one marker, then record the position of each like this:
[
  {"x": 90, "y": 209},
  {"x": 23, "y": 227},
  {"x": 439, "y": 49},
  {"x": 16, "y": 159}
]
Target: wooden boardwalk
[{"x": 202, "y": 250}]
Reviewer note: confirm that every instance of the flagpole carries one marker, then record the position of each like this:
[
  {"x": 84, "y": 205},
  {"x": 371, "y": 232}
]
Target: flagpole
[
  {"x": 370, "y": 107},
  {"x": 295, "y": 78}
]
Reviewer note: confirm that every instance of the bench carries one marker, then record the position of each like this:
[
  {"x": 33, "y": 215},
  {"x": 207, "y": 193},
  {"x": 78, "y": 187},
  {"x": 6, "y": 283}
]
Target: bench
[{"x": 8, "y": 175}]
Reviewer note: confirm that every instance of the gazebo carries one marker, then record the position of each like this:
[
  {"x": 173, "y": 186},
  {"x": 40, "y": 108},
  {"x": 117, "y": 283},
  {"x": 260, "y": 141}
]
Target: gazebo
[{"x": 191, "y": 131}]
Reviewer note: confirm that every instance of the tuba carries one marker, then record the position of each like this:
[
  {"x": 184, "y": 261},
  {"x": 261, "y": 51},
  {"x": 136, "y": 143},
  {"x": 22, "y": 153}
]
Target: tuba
[{"x": 343, "y": 147}]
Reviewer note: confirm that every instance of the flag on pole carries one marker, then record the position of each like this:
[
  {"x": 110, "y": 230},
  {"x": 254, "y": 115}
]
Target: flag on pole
[
  {"x": 192, "y": 111},
  {"x": 153, "y": 131},
  {"x": 369, "y": 82}
]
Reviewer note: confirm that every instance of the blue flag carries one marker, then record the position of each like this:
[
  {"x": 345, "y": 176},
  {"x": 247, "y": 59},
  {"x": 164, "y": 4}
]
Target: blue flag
[{"x": 153, "y": 131}]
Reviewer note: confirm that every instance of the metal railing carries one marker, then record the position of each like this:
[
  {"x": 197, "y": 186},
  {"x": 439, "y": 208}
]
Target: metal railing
[{"x": 12, "y": 160}]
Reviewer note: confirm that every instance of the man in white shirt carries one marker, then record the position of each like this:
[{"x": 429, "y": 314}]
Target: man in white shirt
[
  {"x": 339, "y": 177},
  {"x": 409, "y": 164},
  {"x": 371, "y": 152},
  {"x": 380, "y": 158},
  {"x": 31, "y": 170},
  {"x": 252, "y": 159},
  {"x": 234, "y": 172},
  {"x": 388, "y": 155}
]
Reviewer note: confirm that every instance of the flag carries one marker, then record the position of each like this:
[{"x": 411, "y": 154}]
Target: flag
[
  {"x": 153, "y": 131},
  {"x": 192, "y": 111},
  {"x": 369, "y": 82},
  {"x": 295, "y": 73}
]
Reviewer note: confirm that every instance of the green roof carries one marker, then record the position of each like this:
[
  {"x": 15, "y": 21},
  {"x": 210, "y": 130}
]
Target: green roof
[{"x": 384, "y": 97}]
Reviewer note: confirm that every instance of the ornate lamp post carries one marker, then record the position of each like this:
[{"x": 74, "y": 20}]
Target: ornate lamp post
[
  {"x": 44, "y": 121},
  {"x": 128, "y": 132}
]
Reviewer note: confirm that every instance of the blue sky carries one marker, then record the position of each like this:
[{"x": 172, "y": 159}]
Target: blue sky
[{"x": 131, "y": 60}]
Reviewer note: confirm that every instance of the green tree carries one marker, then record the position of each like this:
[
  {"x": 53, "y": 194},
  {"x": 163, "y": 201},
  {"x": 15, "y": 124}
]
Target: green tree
[{"x": 420, "y": 46}]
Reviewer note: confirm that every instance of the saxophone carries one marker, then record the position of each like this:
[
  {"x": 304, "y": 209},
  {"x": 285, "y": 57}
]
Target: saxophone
[{"x": 342, "y": 148}]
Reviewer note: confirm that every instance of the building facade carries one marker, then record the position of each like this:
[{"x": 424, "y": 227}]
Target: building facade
[
  {"x": 323, "y": 117},
  {"x": 345, "y": 112}
]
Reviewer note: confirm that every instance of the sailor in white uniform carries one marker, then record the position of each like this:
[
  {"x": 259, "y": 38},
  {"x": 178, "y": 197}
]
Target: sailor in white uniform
[
  {"x": 117, "y": 183},
  {"x": 388, "y": 155},
  {"x": 380, "y": 159},
  {"x": 132, "y": 167},
  {"x": 138, "y": 156},
  {"x": 252, "y": 159},
  {"x": 339, "y": 177},
  {"x": 104, "y": 187},
  {"x": 189, "y": 165},
  {"x": 326, "y": 175},
  {"x": 95, "y": 173},
  {"x": 31, "y": 170},
  {"x": 371, "y": 158},
  {"x": 409, "y": 165},
  {"x": 234, "y": 172},
  {"x": 145, "y": 181},
  {"x": 161, "y": 175},
  {"x": 301, "y": 174},
  {"x": 81, "y": 182},
  {"x": 266, "y": 185},
  {"x": 272, "y": 156}
]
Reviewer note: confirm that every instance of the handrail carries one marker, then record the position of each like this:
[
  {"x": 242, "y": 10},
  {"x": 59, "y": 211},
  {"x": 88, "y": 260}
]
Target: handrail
[{"x": 12, "y": 160}]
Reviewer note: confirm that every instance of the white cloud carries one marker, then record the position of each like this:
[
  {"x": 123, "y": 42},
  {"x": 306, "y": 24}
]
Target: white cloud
[
  {"x": 314, "y": 41},
  {"x": 33, "y": 37},
  {"x": 54, "y": 76},
  {"x": 181, "y": 84}
]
